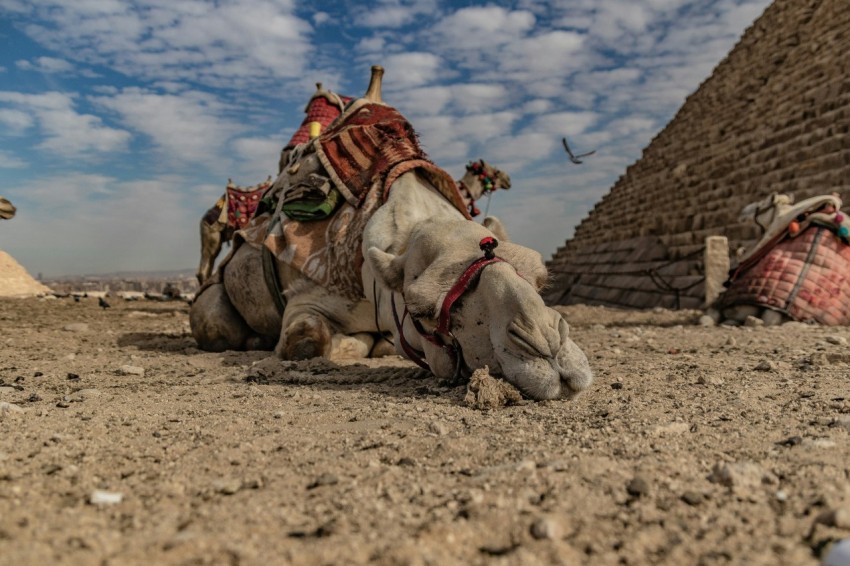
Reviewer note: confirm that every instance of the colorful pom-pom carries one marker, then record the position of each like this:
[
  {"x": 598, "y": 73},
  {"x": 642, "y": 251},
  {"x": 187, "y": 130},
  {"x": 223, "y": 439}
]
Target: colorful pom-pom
[
  {"x": 843, "y": 231},
  {"x": 839, "y": 218},
  {"x": 794, "y": 228}
]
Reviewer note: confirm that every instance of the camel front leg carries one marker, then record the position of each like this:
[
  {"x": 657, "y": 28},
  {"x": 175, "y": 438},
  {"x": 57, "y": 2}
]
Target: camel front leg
[
  {"x": 304, "y": 335},
  {"x": 318, "y": 323},
  {"x": 211, "y": 242}
]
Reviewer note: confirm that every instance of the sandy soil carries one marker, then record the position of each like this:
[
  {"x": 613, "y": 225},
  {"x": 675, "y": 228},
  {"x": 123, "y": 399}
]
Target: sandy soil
[{"x": 121, "y": 443}]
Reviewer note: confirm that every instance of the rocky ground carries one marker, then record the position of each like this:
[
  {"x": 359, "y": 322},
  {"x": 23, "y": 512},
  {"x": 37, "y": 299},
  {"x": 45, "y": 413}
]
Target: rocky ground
[{"x": 121, "y": 443}]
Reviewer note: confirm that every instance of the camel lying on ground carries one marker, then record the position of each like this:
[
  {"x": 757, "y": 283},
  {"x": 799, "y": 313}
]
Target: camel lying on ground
[
  {"x": 217, "y": 228},
  {"x": 7, "y": 209},
  {"x": 798, "y": 270},
  {"x": 452, "y": 297}
]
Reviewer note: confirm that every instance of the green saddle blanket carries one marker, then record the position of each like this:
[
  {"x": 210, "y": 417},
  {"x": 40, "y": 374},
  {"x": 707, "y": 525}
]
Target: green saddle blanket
[{"x": 312, "y": 205}]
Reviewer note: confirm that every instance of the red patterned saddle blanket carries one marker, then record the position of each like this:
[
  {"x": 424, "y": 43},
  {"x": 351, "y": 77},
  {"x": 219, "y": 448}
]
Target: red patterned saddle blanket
[
  {"x": 371, "y": 147},
  {"x": 242, "y": 202},
  {"x": 806, "y": 277}
]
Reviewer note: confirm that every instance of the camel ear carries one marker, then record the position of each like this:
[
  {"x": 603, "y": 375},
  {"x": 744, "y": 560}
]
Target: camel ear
[
  {"x": 388, "y": 268},
  {"x": 495, "y": 225}
]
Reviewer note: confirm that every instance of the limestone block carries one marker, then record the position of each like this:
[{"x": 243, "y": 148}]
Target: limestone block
[{"x": 716, "y": 264}]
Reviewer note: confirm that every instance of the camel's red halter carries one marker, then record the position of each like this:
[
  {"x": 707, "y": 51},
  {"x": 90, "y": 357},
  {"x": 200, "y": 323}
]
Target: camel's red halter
[{"x": 442, "y": 335}]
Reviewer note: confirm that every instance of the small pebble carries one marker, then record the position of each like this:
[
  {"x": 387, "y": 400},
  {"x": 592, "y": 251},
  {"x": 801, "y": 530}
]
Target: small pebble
[
  {"x": 131, "y": 370},
  {"x": 837, "y": 340},
  {"x": 84, "y": 394},
  {"x": 228, "y": 486},
  {"x": 438, "y": 428},
  {"x": 637, "y": 487},
  {"x": 692, "y": 498},
  {"x": 324, "y": 479},
  {"x": 765, "y": 365},
  {"x": 545, "y": 528},
  {"x": 9, "y": 408},
  {"x": 100, "y": 497},
  {"x": 76, "y": 327}
]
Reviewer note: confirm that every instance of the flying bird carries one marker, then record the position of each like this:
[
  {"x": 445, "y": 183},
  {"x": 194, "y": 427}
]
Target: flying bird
[
  {"x": 576, "y": 158},
  {"x": 103, "y": 304}
]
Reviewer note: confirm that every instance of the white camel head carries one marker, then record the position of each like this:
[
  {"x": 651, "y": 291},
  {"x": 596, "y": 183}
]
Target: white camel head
[
  {"x": 481, "y": 178},
  {"x": 501, "y": 322}
]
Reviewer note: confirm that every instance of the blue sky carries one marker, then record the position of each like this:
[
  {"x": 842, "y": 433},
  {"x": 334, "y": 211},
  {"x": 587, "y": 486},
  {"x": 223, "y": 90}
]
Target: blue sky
[{"x": 121, "y": 120}]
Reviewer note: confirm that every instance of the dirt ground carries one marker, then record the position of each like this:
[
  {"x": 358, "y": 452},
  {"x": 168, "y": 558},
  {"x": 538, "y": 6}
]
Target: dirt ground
[{"x": 121, "y": 443}]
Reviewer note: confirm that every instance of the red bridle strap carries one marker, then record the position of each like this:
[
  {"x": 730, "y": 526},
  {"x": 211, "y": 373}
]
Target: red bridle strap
[
  {"x": 458, "y": 289},
  {"x": 442, "y": 335}
]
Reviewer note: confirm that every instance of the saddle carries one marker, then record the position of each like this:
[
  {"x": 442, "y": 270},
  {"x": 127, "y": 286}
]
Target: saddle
[
  {"x": 242, "y": 202},
  {"x": 801, "y": 267}
]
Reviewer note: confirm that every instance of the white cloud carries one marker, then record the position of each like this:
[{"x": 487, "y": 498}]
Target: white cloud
[
  {"x": 456, "y": 99},
  {"x": 537, "y": 106},
  {"x": 552, "y": 52},
  {"x": 374, "y": 44},
  {"x": 10, "y": 161},
  {"x": 561, "y": 123},
  {"x": 414, "y": 69},
  {"x": 15, "y": 120},
  {"x": 394, "y": 13},
  {"x": 45, "y": 65},
  {"x": 482, "y": 28},
  {"x": 192, "y": 127},
  {"x": 473, "y": 97},
  {"x": 256, "y": 158},
  {"x": 224, "y": 44},
  {"x": 423, "y": 101},
  {"x": 66, "y": 132}
]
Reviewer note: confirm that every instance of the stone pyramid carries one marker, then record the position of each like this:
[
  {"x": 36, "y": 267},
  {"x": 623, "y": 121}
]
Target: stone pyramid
[
  {"x": 15, "y": 281},
  {"x": 774, "y": 116}
]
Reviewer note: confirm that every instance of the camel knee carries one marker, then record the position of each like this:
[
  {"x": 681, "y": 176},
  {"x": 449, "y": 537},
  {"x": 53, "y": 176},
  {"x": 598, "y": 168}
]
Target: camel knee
[{"x": 306, "y": 337}]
